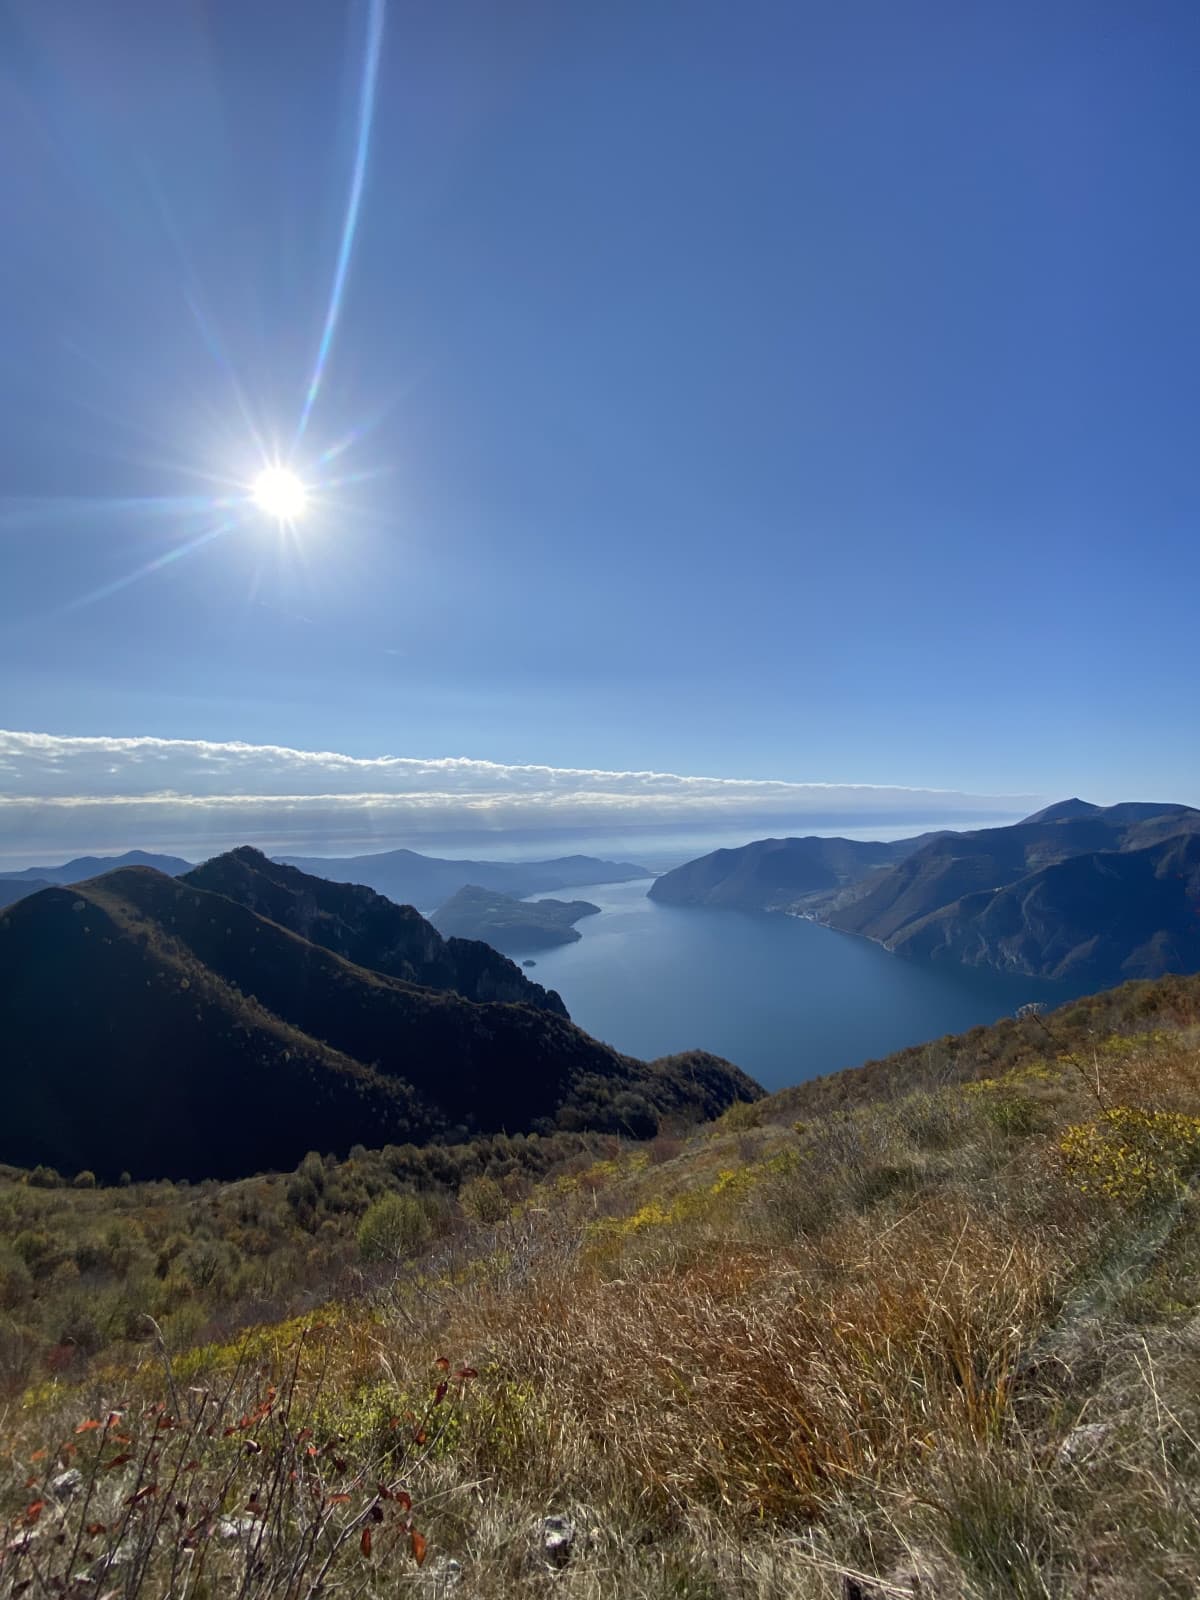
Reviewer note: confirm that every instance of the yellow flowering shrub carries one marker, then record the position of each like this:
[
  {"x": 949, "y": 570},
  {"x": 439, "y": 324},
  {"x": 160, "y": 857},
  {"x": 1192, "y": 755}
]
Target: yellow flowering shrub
[{"x": 1131, "y": 1155}]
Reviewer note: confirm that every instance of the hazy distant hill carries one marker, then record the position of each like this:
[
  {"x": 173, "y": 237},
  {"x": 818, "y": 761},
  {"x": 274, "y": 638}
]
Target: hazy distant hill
[
  {"x": 429, "y": 881},
  {"x": 369, "y": 930},
  {"x": 12, "y": 889},
  {"x": 1091, "y": 893},
  {"x": 158, "y": 1027},
  {"x": 511, "y": 924},
  {"x": 91, "y": 866},
  {"x": 776, "y": 874}
]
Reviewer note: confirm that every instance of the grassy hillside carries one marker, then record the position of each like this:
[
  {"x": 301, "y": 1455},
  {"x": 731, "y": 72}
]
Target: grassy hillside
[{"x": 934, "y": 1334}]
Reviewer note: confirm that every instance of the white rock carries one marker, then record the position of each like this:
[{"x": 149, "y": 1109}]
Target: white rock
[
  {"x": 557, "y": 1536},
  {"x": 67, "y": 1485},
  {"x": 1084, "y": 1441}
]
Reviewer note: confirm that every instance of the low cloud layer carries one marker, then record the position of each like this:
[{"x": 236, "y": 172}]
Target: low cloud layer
[{"x": 81, "y": 794}]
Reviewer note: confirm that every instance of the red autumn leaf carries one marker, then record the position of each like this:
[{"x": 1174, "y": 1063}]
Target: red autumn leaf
[
  {"x": 96, "y": 1528},
  {"x": 190, "y": 1466},
  {"x": 34, "y": 1511},
  {"x": 312, "y": 1451},
  {"x": 142, "y": 1494},
  {"x": 439, "y": 1394},
  {"x": 403, "y": 1499},
  {"x": 304, "y": 1434},
  {"x": 38, "y": 1455},
  {"x": 231, "y": 1429},
  {"x": 117, "y": 1461},
  {"x": 466, "y": 1372},
  {"x": 443, "y": 1363},
  {"x": 417, "y": 1541},
  {"x": 364, "y": 1544},
  {"x": 337, "y": 1499},
  {"x": 86, "y": 1427}
]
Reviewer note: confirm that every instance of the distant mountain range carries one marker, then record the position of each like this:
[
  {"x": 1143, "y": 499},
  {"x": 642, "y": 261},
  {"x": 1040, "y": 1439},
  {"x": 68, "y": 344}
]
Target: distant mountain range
[
  {"x": 506, "y": 923},
  {"x": 403, "y": 876},
  {"x": 91, "y": 866},
  {"x": 428, "y": 881},
  {"x": 185, "y": 1027},
  {"x": 776, "y": 874},
  {"x": 1093, "y": 894}
]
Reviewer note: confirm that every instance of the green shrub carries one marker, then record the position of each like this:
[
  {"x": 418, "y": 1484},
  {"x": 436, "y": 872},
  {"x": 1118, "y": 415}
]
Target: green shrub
[
  {"x": 393, "y": 1228},
  {"x": 484, "y": 1200}
]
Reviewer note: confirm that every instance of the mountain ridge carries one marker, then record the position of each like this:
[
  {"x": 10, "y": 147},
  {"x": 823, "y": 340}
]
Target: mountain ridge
[
  {"x": 1004, "y": 897},
  {"x": 369, "y": 929},
  {"x": 253, "y": 1044}
]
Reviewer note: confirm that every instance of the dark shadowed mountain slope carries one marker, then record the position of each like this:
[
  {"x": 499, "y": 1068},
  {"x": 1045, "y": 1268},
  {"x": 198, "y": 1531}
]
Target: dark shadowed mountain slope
[
  {"x": 428, "y": 881},
  {"x": 364, "y": 927},
  {"x": 511, "y": 924},
  {"x": 776, "y": 874},
  {"x": 1100, "y": 918},
  {"x": 91, "y": 866},
  {"x": 953, "y": 865},
  {"x": 153, "y": 1026}
]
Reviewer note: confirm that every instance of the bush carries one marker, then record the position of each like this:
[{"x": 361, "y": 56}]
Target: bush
[
  {"x": 393, "y": 1228},
  {"x": 484, "y": 1200},
  {"x": 85, "y": 1180}
]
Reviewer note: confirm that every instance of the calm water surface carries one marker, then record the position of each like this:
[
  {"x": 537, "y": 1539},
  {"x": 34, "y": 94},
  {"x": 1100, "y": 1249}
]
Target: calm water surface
[{"x": 784, "y": 998}]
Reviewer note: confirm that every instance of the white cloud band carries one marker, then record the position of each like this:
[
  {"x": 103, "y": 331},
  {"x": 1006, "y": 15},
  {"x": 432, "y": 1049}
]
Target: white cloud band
[{"x": 115, "y": 792}]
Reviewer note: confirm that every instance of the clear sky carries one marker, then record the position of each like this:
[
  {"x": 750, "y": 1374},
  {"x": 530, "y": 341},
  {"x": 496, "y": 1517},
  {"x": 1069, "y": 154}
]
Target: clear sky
[{"x": 797, "y": 391}]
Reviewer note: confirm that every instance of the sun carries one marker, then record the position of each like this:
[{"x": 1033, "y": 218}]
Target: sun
[{"x": 280, "y": 494}]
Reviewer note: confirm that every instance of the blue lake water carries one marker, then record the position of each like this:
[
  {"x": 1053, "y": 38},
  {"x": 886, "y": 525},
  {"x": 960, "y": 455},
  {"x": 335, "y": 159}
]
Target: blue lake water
[{"x": 783, "y": 998}]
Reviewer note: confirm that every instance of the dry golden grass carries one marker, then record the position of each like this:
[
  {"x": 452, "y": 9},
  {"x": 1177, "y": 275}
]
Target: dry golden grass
[{"x": 897, "y": 1351}]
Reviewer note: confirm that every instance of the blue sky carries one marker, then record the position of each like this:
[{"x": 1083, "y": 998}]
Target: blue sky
[{"x": 788, "y": 391}]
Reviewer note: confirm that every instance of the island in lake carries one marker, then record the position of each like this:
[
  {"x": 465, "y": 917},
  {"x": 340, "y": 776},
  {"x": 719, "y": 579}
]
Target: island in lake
[{"x": 509, "y": 924}]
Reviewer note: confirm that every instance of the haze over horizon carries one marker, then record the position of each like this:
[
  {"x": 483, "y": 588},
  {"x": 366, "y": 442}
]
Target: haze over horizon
[{"x": 796, "y": 395}]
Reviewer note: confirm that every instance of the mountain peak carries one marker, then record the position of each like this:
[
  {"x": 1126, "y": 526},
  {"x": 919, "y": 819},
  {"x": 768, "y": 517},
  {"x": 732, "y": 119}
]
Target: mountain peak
[{"x": 1065, "y": 811}]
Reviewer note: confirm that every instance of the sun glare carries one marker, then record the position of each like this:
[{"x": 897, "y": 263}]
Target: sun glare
[{"x": 279, "y": 493}]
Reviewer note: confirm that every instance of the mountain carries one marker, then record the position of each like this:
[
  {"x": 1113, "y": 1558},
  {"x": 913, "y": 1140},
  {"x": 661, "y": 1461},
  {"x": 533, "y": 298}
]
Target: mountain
[
  {"x": 369, "y": 930},
  {"x": 511, "y": 924},
  {"x": 12, "y": 889},
  {"x": 776, "y": 874},
  {"x": 1101, "y": 917},
  {"x": 1093, "y": 893},
  {"x": 1096, "y": 894},
  {"x": 157, "y": 1027},
  {"x": 429, "y": 881},
  {"x": 91, "y": 866}
]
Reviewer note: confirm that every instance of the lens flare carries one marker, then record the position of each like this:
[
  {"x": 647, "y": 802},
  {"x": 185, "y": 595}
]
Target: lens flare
[
  {"x": 366, "y": 114},
  {"x": 279, "y": 493}
]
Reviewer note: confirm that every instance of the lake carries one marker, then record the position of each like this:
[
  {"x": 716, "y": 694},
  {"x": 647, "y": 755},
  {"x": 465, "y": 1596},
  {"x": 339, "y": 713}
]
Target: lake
[{"x": 783, "y": 998}]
